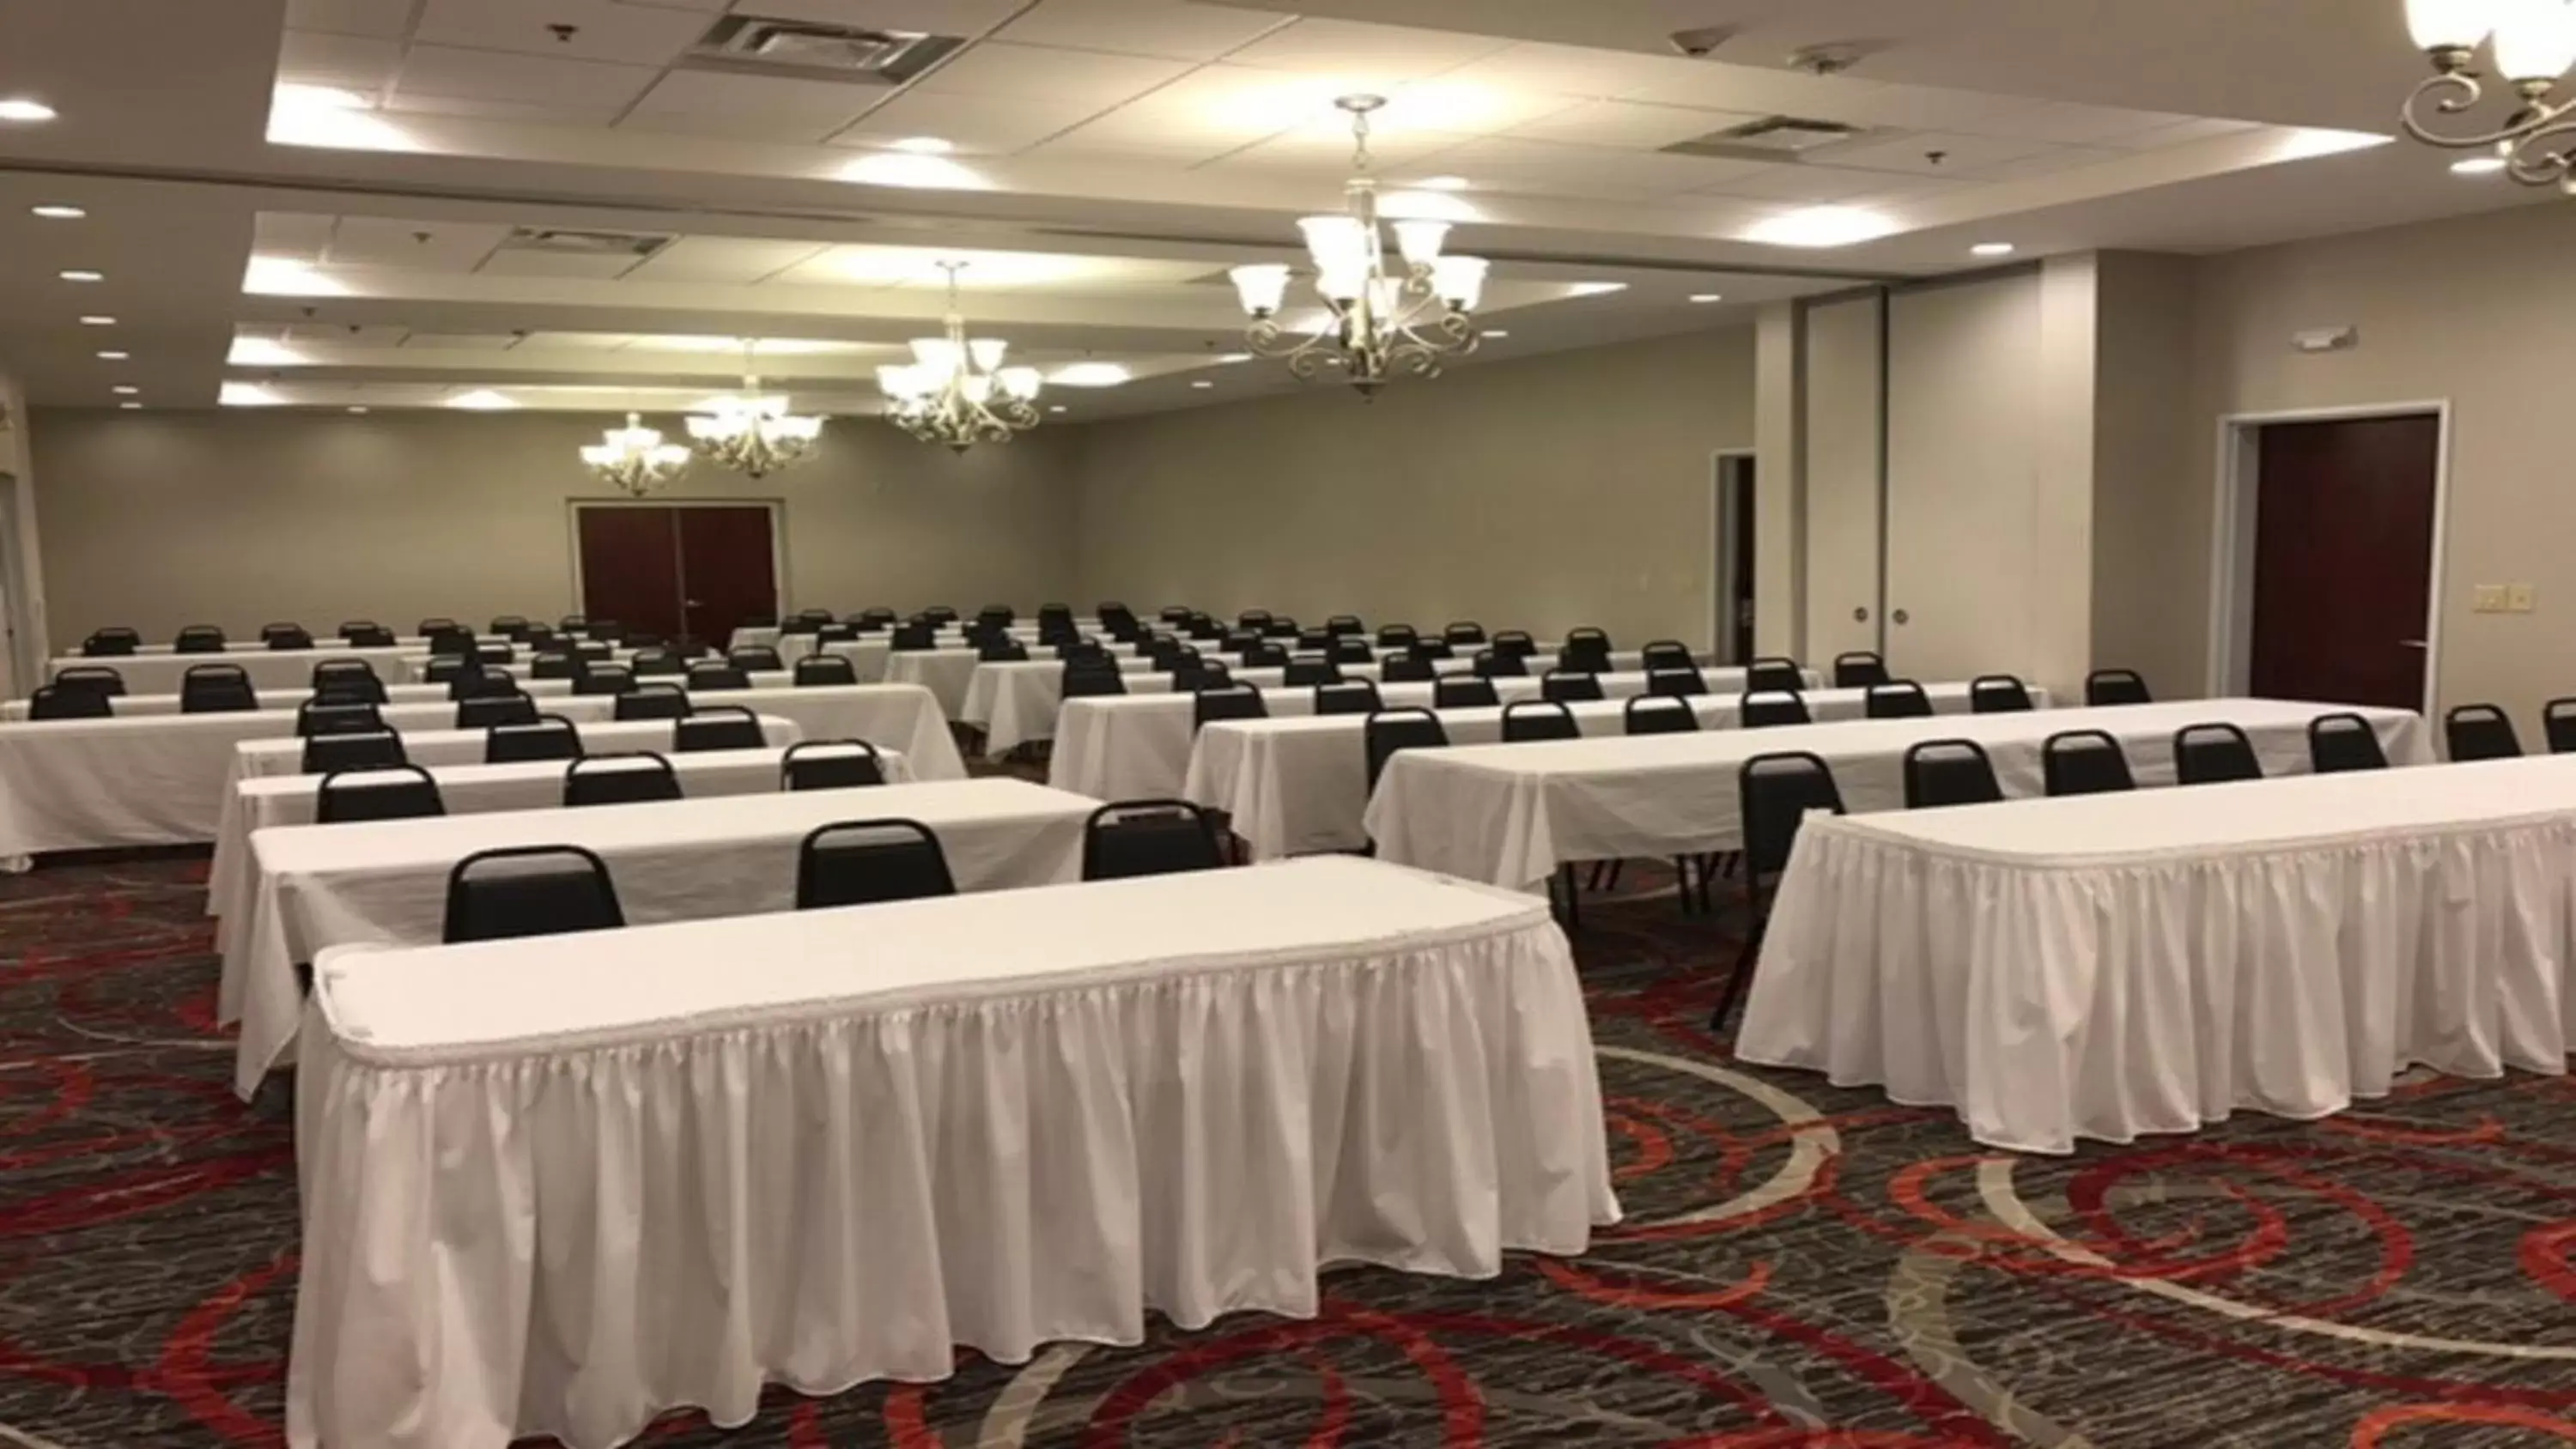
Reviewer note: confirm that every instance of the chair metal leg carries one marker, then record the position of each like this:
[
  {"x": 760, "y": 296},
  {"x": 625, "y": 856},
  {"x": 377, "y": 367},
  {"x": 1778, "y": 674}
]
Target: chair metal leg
[
  {"x": 1744, "y": 962},
  {"x": 1683, "y": 890},
  {"x": 1565, "y": 893}
]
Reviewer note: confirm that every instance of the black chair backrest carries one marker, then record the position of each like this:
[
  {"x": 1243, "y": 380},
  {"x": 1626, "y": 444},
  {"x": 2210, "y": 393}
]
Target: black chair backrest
[
  {"x": 285, "y": 636},
  {"x": 1659, "y": 714},
  {"x": 1464, "y": 631},
  {"x": 1148, "y": 837},
  {"x": 1776, "y": 793},
  {"x": 199, "y": 639},
  {"x": 1306, "y": 673},
  {"x": 95, "y": 679},
  {"x": 825, "y": 669},
  {"x": 557, "y": 664},
  {"x": 495, "y": 709},
  {"x": 350, "y": 689},
  {"x": 383, "y": 792},
  {"x": 1765, "y": 708},
  {"x": 1515, "y": 644},
  {"x": 1431, "y": 649},
  {"x": 1265, "y": 656},
  {"x": 1676, "y": 681},
  {"x": 573, "y": 623},
  {"x": 530, "y": 890},
  {"x": 718, "y": 727},
  {"x": 365, "y": 635},
  {"x": 1531, "y": 720},
  {"x": 1667, "y": 654},
  {"x": 2084, "y": 762},
  {"x": 635, "y": 777},
  {"x": 1493, "y": 663},
  {"x": 1350, "y": 696},
  {"x": 1345, "y": 624},
  {"x": 334, "y": 670},
  {"x": 759, "y": 657},
  {"x": 2116, "y": 686},
  {"x": 909, "y": 637},
  {"x": 552, "y": 737},
  {"x": 1585, "y": 651},
  {"x": 864, "y": 862},
  {"x": 1774, "y": 672},
  {"x": 653, "y": 701},
  {"x": 1093, "y": 678},
  {"x": 1896, "y": 699},
  {"x": 441, "y": 624},
  {"x": 509, "y": 625},
  {"x": 656, "y": 661},
  {"x": 2343, "y": 742},
  {"x": 1859, "y": 669},
  {"x": 111, "y": 643},
  {"x": 706, "y": 677},
  {"x": 216, "y": 688},
  {"x": 2557, "y": 723},
  {"x": 69, "y": 701},
  {"x": 1997, "y": 694},
  {"x": 1227, "y": 701},
  {"x": 2210, "y": 754},
  {"x": 1570, "y": 686},
  {"x": 313, "y": 717},
  {"x": 1390, "y": 732},
  {"x": 476, "y": 682},
  {"x": 1001, "y": 649},
  {"x": 1949, "y": 772},
  {"x": 1459, "y": 691},
  {"x": 450, "y": 642},
  {"x": 1352, "y": 649},
  {"x": 831, "y": 765},
  {"x": 449, "y": 668},
  {"x": 2480, "y": 732},
  {"x": 378, "y": 751},
  {"x": 1407, "y": 669},
  {"x": 1396, "y": 636},
  {"x": 836, "y": 634}
]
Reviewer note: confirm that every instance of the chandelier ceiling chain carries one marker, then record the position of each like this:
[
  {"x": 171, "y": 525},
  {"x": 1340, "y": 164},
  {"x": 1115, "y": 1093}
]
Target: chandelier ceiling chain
[
  {"x": 955, "y": 391},
  {"x": 752, "y": 434},
  {"x": 1380, "y": 320},
  {"x": 2534, "y": 43},
  {"x": 633, "y": 459}
]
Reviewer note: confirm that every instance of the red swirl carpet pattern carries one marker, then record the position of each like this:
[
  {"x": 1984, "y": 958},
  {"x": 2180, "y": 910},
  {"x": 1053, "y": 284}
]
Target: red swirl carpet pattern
[{"x": 1803, "y": 1267}]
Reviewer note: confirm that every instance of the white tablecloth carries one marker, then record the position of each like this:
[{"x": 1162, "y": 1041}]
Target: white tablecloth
[
  {"x": 159, "y": 673},
  {"x": 553, "y": 1189},
  {"x": 260, "y": 759},
  {"x": 328, "y": 885},
  {"x": 1511, "y": 814},
  {"x": 2108, "y": 966},
  {"x": 267, "y": 801},
  {"x": 1300, "y": 785},
  {"x": 124, "y": 705}
]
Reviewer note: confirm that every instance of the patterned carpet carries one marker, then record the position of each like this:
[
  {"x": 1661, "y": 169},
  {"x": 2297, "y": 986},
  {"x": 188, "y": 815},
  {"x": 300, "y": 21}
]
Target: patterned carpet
[{"x": 1804, "y": 1268}]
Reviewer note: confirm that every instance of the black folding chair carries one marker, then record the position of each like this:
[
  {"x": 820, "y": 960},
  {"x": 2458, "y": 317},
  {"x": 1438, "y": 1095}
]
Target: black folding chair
[
  {"x": 1949, "y": 772},
  {"x": 2116, "y": 686},
  {"x": 95, "y": 679},
  {"x": 1775, "y": 794},
  {"x": 759, "y": 658},
  {"x": 1764, "y": 709},
  {"x": 1227, "y": 701},
  {"x": 2084, "y": 762},
  {"x": 1148, "y": 837},
  {"x": 1093, "y": 679},
  {"x": 1667, "y": 654},
  {"x": 1493, "y": 663},
  {"x": 653, "y": 701},
  {"x": 530, "y": 890},
  {"x": 1659, "y": 714},
  {"x": 216, "y": 689},
  {"x": 199, "y": 639},
  {"x": 1569, "y": 686},
  {"x": 1464, "y": 631},
  {"x": 1896, "y": 699},
  {"x": 638, "y": 777},
  {"x": 1390, "y": 732},
  {"x": 1351, "y": 696},
  {"x": 1676, "y": 681},
  {"x": 2480, "y": 732},
  {"x": 111, "y": 643},
  {"x": 61, "y": 701},
  {"x": 825, "y": 669},
  {"x": 1774, "y": 672},
  {"x": 1464, "y": 692},
  {"x": 1997, "y": 694},
  {"x": 324, "y": 754},
  {"x": 1407, "y": 669},
  {"x": 866, "y": 862},
  {"x": 314, "y": 717},
  {"x": 831, "y": 765},
  {"x": 2557, "y": 723},
  {"x": 2341, "y": 743},
  {"x": 552, "y": 737},
  {"x": 285, "y": 636},
  {"x": 707, "y": 678},
  {"x": 1306, "y": 673},
  {"x": 1529, "y": 721},
  {"x": 718, "y": 727},
  {"x": 367, "y": 634},
  {"x": 382, "y": 792},
  {"x": 2214, "y": 753},
  {"x": 485, "y": 711},
  {"x": 1859, "y": 669}
]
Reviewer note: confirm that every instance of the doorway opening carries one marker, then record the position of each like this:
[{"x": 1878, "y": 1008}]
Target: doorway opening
[
  {"x": 1731, "y": 589},
  {"x": 2328, "y": 559},
  {"x": 686, "y": 571}
]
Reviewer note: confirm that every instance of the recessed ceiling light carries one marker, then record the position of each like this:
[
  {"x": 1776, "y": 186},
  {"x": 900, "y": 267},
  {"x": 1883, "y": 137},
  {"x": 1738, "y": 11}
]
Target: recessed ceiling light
[
  {"x": 132, "y": 407},
  {"x": 1090, "y": 374},
  {"x": 1704, "y": 298},
  {"x": 114, "y": 356},
  {"x": 1202, "y": 383},
  {"x": 1497, "y": 332},
  {"x": 926, "y": 145},
  {"x": 1442, "y": 183},
  {"x": 80, "y": 276},
  {"x": 1234, "y": 357},
  {"x": 246, "y": 395},
  {"x": 58, "y": 213},
  {"x": 1055, "y": 407},
  {"x": 1992, "y": 249},
  {"x": 1595, "y": 289},
  {"x": 2478, "y": 166},
  {"x": 124, "y": 389},
  {"x": 1821, "y": 226},
  {"x": 19, "y": 108},
  {"x": 913, "y": 169},
  {"x": 481, "y": 400},
  {"x": 357, "y": 408},
  {"x": 97, "y": 321}
]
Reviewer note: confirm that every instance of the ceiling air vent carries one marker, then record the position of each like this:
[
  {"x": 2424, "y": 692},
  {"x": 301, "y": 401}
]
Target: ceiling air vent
[
  {"x": 815, "y": 50},
  {"x": 565, "y": 242},
  {"x": 1773, "y": 138}
]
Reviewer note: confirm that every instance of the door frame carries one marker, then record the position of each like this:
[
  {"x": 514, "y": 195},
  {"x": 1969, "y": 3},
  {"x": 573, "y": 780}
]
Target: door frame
[
  {"x": 1721, "y": 514},
  {"x": 777, "y": 535},
  {"x": 2232, "y": 526}
]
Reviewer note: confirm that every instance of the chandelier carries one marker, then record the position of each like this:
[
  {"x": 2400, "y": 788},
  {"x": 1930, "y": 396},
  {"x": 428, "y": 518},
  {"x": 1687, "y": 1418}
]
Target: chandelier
[
  {"x": 752, "y": 434},
  {"x": 1380, "y": 319},
  {"x": 633, "y": 459},
  {"x": 955, "y": 390},
  {"x": 2535, "y": 43}
]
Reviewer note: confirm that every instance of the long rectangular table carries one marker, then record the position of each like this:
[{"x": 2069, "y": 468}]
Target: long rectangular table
[
  {"x": 836, "y": 1145},
  {"x": 267, "y": 668},
  {"x": 124, "y": 705},
  {"x": 2108, "y": 966},
  {"x": 327, "y": 885},
  {"x": 1299, "y": 784},
  {"x": 1511, "y": 814}
]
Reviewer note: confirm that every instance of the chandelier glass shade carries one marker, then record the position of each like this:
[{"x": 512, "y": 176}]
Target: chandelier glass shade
[
  {"x": 955, "y": 391},
  {"x": 1383, "y": 317},
  {"x": 633, "y": 459},
  {"x": 2532, "y": 44},
  {"x": 754, "y": 434}
]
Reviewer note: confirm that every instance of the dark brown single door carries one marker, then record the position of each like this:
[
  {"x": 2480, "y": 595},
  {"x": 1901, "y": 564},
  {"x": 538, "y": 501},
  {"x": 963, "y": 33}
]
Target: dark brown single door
[
  {"x": 727, "y": 570},
  {"x": 2343, "y": 560},
  {"x": 630, "y": 567}
]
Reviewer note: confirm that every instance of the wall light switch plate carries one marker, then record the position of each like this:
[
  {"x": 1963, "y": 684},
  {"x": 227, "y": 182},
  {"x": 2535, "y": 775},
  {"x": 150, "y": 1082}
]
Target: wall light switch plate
[
  {"x": 2518, "y": 598},
  {"x": 2488, "y": 599}
]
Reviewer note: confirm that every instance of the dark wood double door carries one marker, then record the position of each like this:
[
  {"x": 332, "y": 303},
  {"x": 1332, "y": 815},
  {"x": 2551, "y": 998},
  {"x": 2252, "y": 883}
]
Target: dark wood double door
[{"x": 680, "y": 570}]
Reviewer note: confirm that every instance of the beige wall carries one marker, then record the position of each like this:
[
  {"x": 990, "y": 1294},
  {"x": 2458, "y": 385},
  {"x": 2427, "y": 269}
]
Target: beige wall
[
  {"x": 1560, "y": 490},
  {"x": 1845, "y": 413},
  {"x": 2150, "y": 457},
  {"x": 239, "y": 517}
]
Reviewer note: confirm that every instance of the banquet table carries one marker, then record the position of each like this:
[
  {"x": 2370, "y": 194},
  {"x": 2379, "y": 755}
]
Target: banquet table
[
  {"x": 259, "y": 759},
  {"x": 874, "y": 1135},
  {"x": 1298, "y": 785},
  {"x": 124, "y": 705},
  {"x": 898, "y": 716},
  {"x": 160, "y": 673},
  {"x": 315, "y": 886},
  {"x": 1511, "y": 814},
  {"x": 264, "y": 802},
  {"x": 2106, "y": 966}
]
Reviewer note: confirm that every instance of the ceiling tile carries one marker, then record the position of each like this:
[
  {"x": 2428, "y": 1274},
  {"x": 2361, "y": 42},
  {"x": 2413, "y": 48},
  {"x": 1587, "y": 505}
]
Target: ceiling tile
[
  {"x": 1628, "y": 124},
  {"x": 351, "y": 62},
  {"x": 383, "y": 19},
  {"x": 482, "y": 75},
  {"x": 998, "y": 69},
  {"x": 1568, "y": 70},
  {"x": 460, "y": 342},
  {"x": 1812, "y": 185},
  {"x": 1926, "y": 108},
  {"x": 576, "y": 341},
  {"x": 1752, "y": 88},
  {"x": 532, "y": 113},
  {"x": 302, "y": 235},
  {"x": 1325, "y": 148},
  {"x": 2187, "y": 133},
  {"x": 1141, "y": 27},
  {"x": 761, "y": 108},
  {"x": 2049, "y": 163},
  {"x": 440, "y": 246},
  {"x": 1545, "y": 168},
  {"x": 1917, "y": 154},
  {"x": 1360, "y": 51},
  {"x": 2075, "y": 125},
  {"x": 987, "y": 125},
  {"x": 603, "y": 30},
  {"x": 730, "y": 260}
]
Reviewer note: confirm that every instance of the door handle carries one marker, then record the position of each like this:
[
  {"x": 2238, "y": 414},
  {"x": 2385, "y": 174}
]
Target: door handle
[
  {"x": 692, "y": 603},
  {"x": 2413, "y": 644}
]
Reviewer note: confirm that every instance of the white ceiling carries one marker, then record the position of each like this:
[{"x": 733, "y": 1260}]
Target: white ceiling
[{"x": 1111, "y": 159}]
